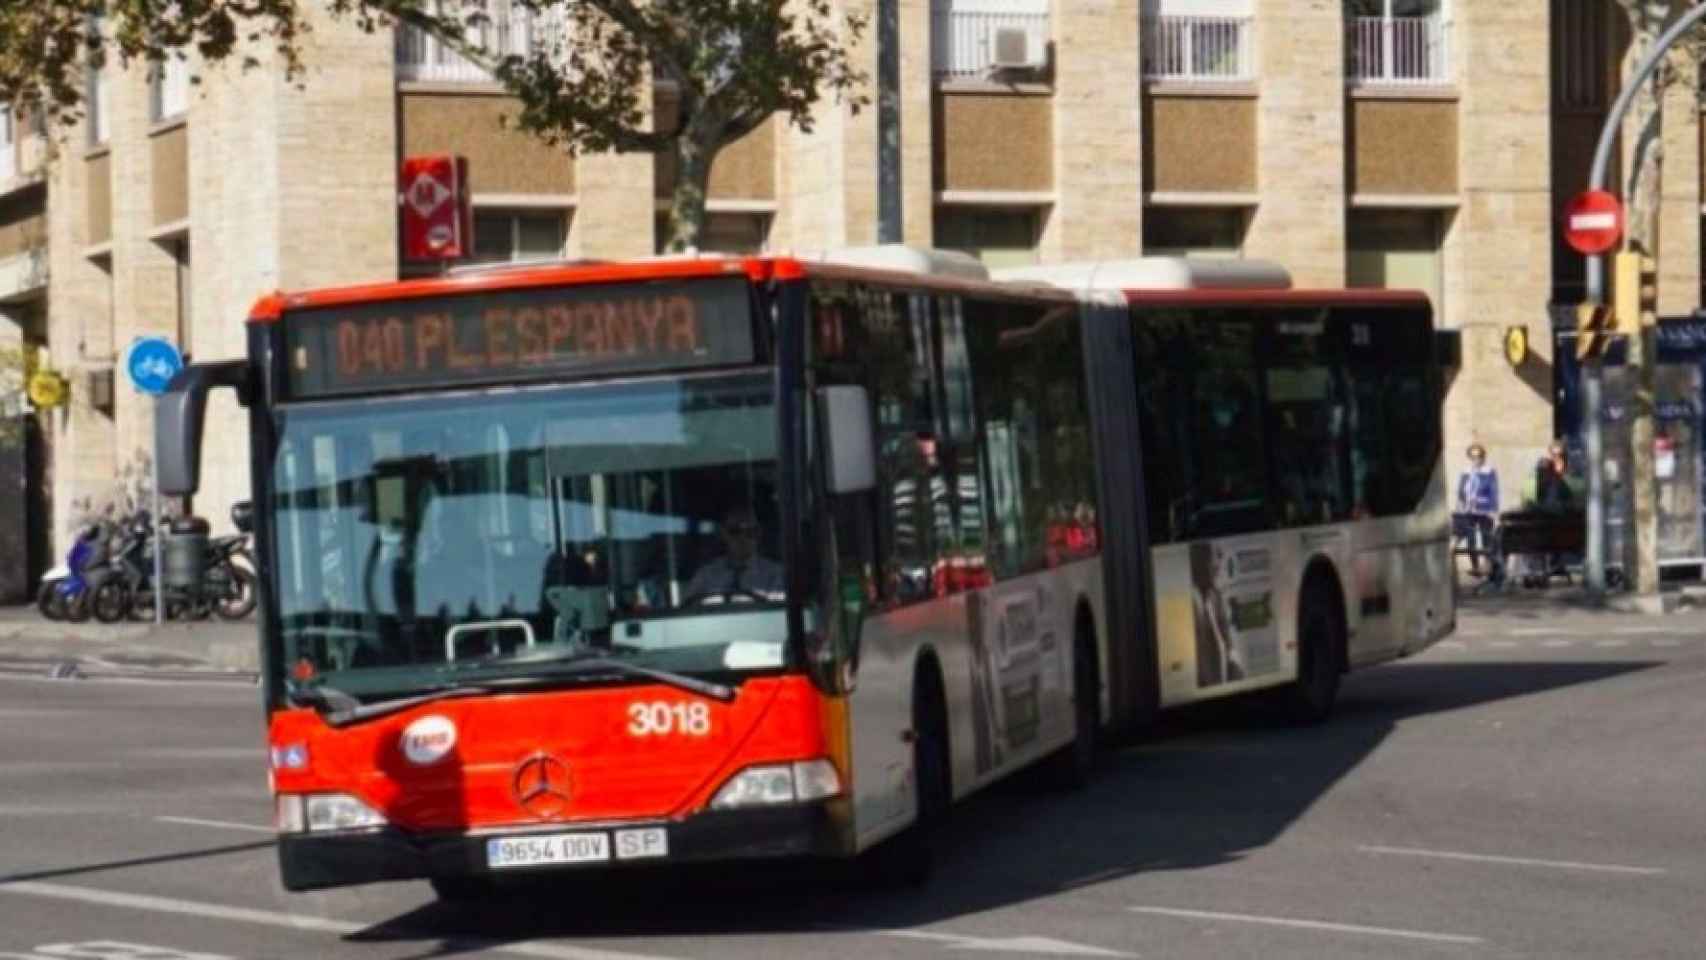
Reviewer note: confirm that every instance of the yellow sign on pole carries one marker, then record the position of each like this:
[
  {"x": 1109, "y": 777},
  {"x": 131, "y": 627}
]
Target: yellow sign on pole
[{"x": 47, "y": 389}]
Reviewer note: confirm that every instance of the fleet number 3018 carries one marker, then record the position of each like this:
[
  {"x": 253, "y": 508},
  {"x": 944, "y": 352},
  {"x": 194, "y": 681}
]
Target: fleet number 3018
[{"x": 659, "y": 719}]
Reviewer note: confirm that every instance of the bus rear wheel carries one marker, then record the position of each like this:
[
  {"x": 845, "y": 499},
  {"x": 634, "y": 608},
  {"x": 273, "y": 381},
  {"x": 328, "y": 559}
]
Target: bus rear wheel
[
  {"x": 1071, "y": 767},
  {"x": 1320, "y": 655}
]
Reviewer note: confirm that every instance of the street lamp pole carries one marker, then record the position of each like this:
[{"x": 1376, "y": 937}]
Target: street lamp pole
[
  {"x": 1591, "y": 372},
  {"x": 889, "y": 226}
]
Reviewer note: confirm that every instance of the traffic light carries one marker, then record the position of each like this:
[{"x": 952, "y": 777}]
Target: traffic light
[
  {"x": 1634, "y": 291},
  {"x": 1593, "y": 329}
]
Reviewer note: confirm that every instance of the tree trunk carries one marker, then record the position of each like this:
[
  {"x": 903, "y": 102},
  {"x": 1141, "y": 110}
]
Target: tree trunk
[{"x": 693, "y": 157}]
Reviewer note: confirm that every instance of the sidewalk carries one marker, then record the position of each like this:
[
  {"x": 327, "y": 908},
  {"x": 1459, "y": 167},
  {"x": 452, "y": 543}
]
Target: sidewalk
[
  {"x": 212, "y": 649},
  {"x": 1573, "y": 601}
]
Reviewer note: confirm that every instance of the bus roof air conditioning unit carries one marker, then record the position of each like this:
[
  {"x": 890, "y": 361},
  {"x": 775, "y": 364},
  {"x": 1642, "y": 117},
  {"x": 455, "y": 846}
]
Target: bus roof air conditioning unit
[
  {"x": 907, "y": 259},
  {"x": 1012, "y": 49},
  {"x": 1154, "y": 273}
]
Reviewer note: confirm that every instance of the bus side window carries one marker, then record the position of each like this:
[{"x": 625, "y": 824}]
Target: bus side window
[{"x": 1227, "y": 432}]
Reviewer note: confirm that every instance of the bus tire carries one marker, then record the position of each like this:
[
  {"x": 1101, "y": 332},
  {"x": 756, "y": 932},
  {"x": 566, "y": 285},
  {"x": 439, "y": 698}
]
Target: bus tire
[
  {"x": 908, "y": 858},
  {"x": 1320, "y": 652},
  {"x": 1072, "y": 766}
]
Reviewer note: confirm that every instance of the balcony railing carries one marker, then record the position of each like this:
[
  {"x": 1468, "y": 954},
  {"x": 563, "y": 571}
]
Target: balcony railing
[
  {"x": 1399, "y": 51},
  {"x": 421, "y": 56},
  {"x": 1197, "y": 48},
  {"x": 962, "y": 36}
]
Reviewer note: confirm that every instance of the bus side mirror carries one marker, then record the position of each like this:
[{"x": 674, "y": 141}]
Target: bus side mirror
[
  {"x": 179, "y": 416},
  {"x": 849, "y": 459}
]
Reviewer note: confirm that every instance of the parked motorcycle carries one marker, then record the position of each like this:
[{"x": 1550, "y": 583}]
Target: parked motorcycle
[
  {"x": 64, "y": 592},
  {"x": 204, "y": 576},
  {"x": 124, "y": 585}
]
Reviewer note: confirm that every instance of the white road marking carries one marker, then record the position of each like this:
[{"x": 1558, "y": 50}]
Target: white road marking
[
  {"x": 1535, "y": 631},
  {"x": 1504, "y": 644},
  {"x": 1640, "y": 631},
  {"x": 1555, "y": 644},
  {"x": 222, "y": 824},
  {"x": 1031, "y": 945},
  {"x": 1453, "y": 645},
  {"x": 1308, "y": 924},
  {"x": 294, "y": 921},
  {"x": 1516, "y": 861},
  {"x": 1609, "y": 644}
]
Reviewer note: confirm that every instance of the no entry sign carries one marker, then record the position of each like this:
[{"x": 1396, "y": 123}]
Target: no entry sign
[{"x": 1593, "y": 222}]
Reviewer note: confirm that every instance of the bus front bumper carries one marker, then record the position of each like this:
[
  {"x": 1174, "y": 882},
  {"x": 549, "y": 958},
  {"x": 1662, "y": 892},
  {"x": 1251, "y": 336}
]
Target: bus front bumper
[{"x": 317, "y": 861}]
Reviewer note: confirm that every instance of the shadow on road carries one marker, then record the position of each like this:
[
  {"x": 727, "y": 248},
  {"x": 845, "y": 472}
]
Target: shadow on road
[
  {"x": 58, "y": 873},
  {"x": 1209, "y": 785}
]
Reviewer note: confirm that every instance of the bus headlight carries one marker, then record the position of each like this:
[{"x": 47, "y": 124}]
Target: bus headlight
[
  {"x": 779, "y": 783},
  {"x": 324, "y": 812}
]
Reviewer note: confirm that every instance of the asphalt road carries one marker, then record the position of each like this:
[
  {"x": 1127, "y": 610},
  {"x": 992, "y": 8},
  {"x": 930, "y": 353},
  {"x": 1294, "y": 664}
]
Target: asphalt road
[{"x": 1532, "y": 788}]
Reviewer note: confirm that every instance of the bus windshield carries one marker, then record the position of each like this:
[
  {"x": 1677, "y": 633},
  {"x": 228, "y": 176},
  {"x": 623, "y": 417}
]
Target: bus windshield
[{"x": 425, "y": 539}]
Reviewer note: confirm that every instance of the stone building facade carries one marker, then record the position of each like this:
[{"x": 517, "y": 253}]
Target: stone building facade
[{"x": 1353, "y": 141}]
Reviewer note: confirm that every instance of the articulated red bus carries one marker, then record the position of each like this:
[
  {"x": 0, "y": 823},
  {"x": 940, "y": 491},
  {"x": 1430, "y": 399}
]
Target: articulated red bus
[{"x": 598, "y": 566}]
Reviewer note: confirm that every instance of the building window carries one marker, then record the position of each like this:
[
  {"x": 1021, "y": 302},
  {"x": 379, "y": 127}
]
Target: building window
[
  {"x": 998, "y": 237},
  {"x": 1197, "y": 40},
  {"x": 502, "y": 236},
  {"x": 509, "y": 29},
  {"x": 1194, "y": 231},
  {"x": 97, "y": 106},
  {"x": 170, "y": 89},
  {"x": 1395, "y": 250},
  {"x": 8, "y": 144},
  {"x": 1398, "y": 42},
  {"x": 970, "y": 39}
]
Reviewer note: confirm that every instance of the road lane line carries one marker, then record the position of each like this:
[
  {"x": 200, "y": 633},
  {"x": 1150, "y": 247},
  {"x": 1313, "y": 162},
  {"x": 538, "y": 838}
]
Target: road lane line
[
  {"x": 1515, "y": 861},
  {"x": 1504, "y": 644},
  {"x": 222, "y": 824},
  {"x": 1637, "y": 631},
  {"x": 1309, "y": 925},
  {"x": 1609, "y": 644},
  {"x": 294, "y": 921},
  {"x": 1535, "y": 631},
  {"x": 1453, "y": 645},
  {"x": 1555, "y": 644}
]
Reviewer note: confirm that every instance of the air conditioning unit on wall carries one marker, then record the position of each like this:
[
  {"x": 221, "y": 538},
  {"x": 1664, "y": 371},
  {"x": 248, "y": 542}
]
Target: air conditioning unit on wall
[{"x": 1013, "y": 50}]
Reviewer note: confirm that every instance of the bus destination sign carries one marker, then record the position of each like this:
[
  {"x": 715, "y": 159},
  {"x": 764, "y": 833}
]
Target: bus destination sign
[{"x": 519, "y": 335}]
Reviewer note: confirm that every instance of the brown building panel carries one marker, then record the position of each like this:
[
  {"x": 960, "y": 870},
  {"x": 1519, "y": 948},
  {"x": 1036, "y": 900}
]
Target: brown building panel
[
  {"x": 1403, "y": 146},
  {"x": 171, "y": 166},
  {"x": 994, "y": 141},
  {"x": 744, "y": 170},
  {"x": 1198, "y": 144},
  {"x": 100, "y": 188},
  {"x": 23, "y": 221},
  {"x": 500, "y": 159}
]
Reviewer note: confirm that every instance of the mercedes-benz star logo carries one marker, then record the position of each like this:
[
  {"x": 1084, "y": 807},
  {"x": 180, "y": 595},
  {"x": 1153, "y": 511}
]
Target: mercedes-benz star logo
[{"x": 541, "y": 786}]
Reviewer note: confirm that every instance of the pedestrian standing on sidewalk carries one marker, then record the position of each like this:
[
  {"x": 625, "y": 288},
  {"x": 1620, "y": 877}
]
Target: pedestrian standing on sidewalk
[{"x": 1478, "y": 503}]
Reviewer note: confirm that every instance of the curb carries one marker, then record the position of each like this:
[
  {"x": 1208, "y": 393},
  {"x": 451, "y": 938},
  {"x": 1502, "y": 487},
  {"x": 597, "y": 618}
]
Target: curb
[{"x": 81, "y": 669}]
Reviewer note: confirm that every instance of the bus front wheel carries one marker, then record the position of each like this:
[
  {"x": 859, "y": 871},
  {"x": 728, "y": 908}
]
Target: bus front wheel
[
  {"x": 1320, "y": 653},
  {"x": 908, "y": 858}
]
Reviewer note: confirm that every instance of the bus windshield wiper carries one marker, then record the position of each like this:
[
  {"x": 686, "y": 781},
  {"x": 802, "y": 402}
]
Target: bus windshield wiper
[
  {"x": 339, "y": 709},
  {"x": 579, "y": 661}
]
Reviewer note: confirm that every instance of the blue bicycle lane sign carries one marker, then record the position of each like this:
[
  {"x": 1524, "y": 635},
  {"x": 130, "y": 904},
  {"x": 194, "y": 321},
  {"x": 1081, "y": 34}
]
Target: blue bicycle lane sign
[{"x": 152, "y": 362}]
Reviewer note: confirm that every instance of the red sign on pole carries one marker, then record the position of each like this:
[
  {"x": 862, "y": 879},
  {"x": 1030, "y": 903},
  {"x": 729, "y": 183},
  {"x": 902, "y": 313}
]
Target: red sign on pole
[
  {"x": 1593, "y": 222},
  {"x": 433, "y": 194}
]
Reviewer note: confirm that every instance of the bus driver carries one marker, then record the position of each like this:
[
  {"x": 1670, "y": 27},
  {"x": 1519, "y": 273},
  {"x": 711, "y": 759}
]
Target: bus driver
[{"x": 740, "y": 571}]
